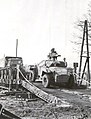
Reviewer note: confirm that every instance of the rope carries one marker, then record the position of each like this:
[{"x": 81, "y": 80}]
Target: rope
[{"x": 24, "y": 76}]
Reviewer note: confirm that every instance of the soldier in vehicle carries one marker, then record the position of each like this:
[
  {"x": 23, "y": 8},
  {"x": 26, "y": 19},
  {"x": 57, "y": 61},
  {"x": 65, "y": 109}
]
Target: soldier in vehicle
[
  {"x": 53, "y": 54},
  {"x": 65, "y": 62}
]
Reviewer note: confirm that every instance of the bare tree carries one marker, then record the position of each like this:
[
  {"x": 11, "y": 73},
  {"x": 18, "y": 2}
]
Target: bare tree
[
  {"x": 79, "y": 26},
  {"x": 80, "y": 37}
]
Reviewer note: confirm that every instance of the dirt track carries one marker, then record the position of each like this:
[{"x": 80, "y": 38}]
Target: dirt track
[{"x": 79, "y": 99}]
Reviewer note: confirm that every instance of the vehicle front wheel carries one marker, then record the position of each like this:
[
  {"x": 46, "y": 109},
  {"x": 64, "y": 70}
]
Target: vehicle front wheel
[
  {"x": 46, "y": 80},
  {"x": 32, "y": 76}
]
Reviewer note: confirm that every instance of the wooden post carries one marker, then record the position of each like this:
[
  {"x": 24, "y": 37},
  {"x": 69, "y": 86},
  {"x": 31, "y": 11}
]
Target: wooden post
[
  {"x": 16, "y": 46},
  {"x": 85, "y": 37},
  {"x": 81, "y": 51},
  {"x": 9, "y": 79},
  {"x": 1, "y": 76},
  {"x": 17, "y": 77},
  {"x": 5, "y": 75},
  {"x": 88, "y": 67}
]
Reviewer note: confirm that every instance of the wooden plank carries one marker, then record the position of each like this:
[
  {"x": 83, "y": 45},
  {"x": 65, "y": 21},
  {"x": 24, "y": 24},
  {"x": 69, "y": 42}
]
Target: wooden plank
[
  {"x": 4, "y": 87},
  {"x": 7, "y": 113},
  {"x": 40, "y": 93}
]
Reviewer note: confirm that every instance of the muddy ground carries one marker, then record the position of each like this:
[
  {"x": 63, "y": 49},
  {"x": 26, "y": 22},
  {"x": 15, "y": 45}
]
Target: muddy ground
[{"x": 80, "y": 100}]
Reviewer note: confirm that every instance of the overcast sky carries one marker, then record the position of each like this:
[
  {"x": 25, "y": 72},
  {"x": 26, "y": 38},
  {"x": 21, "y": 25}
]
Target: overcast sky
[{"x": 39, "y": 25}]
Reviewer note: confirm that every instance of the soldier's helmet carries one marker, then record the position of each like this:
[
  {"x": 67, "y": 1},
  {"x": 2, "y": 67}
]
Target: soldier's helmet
[{"x": 53, "y": 49}]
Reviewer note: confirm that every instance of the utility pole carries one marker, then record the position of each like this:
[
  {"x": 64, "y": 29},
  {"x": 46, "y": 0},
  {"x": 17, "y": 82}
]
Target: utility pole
[
  {"x": 85, "y": 37},
  {"x": 16, "y": 46}
]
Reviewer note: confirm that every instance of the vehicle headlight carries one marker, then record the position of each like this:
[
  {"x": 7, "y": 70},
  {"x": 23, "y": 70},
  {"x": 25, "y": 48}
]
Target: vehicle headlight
[{"x": 56, "y": 77}]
